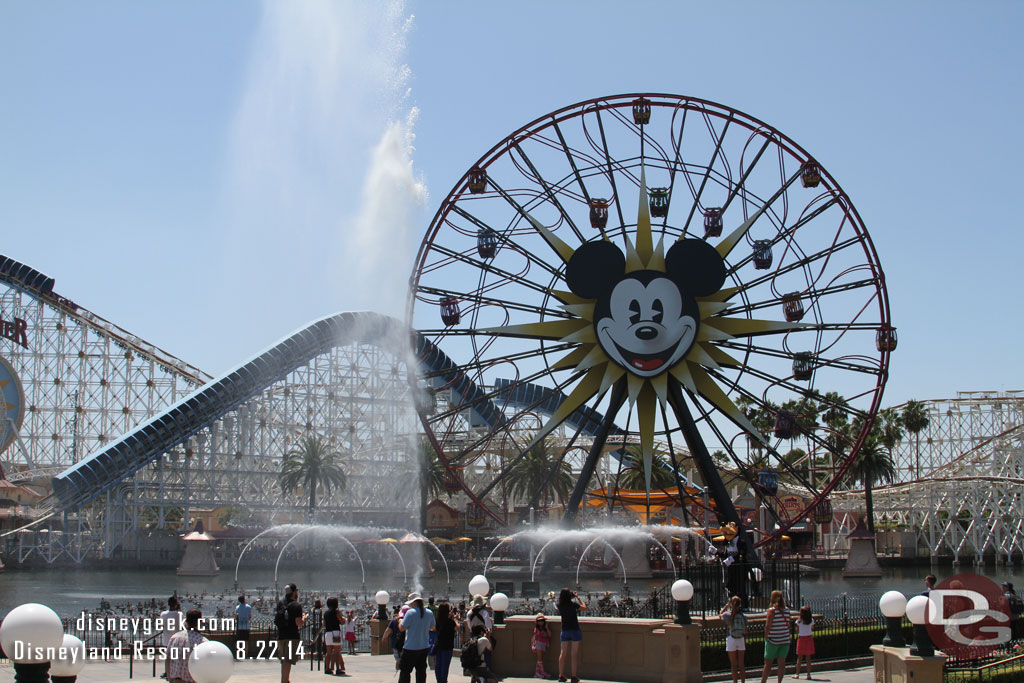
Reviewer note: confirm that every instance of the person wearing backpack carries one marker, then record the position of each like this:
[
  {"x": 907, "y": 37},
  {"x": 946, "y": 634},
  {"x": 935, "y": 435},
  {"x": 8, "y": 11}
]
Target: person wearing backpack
[
  {"x": 289, "y": 619},
  {"x": 472, "y": 657},
  {"x": 735, "y": 637},
  {"x": 396, "y": 637}
]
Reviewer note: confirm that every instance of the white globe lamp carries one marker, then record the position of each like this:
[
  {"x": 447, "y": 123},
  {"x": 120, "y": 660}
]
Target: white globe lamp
[
  {"x": 382, "y": 598},
  {"x": 478, "y": 585},
  {"x": 682, "y": 593},
  {"x": 893, "y": 605},
  {"x": 69, "y": 662},
  {"x": 499, "y": 603},
  {"x": 29, "y": 634},
  {"x": 917, "y": 613},
  {"x": 211, "y": 662}
]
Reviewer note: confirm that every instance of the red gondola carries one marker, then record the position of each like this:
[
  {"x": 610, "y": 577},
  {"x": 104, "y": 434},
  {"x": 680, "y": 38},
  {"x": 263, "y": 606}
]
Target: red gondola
[
  {"x": 810, "y": 174},
  {"x": 450, "y": 314},
  {"x": 598, "y": 213},
  {"x": 885, "y": 339}
]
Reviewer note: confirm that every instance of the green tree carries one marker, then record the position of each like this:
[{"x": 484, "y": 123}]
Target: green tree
[
  {"x": 431, "y": 471},
  {"x": 312, "y": 464},
  {"x": 890, "y": 427},
  {"x": 528, "y": 478},
  {"x": 873, "y": 466},
  {"x": 632, "y": 475},
  {"x": 915, "y": 419}
]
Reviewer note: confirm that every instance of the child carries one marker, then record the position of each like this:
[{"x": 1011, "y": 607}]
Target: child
[
  {"x": 735, "y": 640},
  {"x": 350, "y": 631},
  {"x": 804, "y": 640},
  {"x": 539, "y": 644}
]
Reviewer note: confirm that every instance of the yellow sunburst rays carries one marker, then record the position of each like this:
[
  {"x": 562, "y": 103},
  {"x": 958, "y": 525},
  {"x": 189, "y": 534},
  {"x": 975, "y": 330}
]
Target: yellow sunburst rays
[{"x": 600, "y": 373}]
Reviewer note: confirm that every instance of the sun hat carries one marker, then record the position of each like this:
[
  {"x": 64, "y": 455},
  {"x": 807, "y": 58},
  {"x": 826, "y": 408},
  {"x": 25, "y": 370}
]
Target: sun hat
[
  {"x": 540, "y": 616},
  {"x": 413, "y": 597},
  {"x": 479, "y": 600}
]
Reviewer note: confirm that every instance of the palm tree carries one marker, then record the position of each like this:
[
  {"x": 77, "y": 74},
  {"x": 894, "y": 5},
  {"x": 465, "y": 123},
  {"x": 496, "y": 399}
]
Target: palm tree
[
  {"x": 431, "y": 471},
  {"x": 538, "y": 475},
  {"x": 915, "y": 419},
  {"x": 311, "y": 464},
  {"x": 873, "y": 466},
  {"x": 633, "y": 477},
  {"x": 890, "y": 427}
]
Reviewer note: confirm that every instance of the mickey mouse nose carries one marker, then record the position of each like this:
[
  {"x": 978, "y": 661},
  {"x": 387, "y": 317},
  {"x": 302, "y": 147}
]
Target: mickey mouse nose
[{"x": 646, "y": 333}]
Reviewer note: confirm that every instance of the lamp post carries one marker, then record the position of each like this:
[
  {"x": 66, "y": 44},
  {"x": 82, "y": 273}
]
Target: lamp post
[
  {"x": 382, "y": 598},
  {"x": 499, "y": 602},
  {"x": 917, "y": 612},
  {"x": 682, "y": 592},
  {"x": 479, "y": 585},
  {"x": 69, "y": 662},
  {"x": 26, "y": 634},
  {"x": 893, "y": 605},
  {"x": 211, "y": 662}
]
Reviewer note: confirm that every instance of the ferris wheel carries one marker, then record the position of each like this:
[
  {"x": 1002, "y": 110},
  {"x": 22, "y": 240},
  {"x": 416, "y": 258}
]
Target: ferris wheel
[{"x": 657, "y": 270}]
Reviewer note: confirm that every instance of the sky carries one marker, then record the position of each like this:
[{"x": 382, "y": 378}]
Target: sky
[{"x": 214, "y": 176}]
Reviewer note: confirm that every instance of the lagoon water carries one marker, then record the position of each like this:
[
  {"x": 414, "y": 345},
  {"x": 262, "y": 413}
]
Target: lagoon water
[{"x": 69, "y": 592}]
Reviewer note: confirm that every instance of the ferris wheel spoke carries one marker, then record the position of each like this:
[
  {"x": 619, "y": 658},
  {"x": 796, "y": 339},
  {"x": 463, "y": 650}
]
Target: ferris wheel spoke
[
  {"x": 507, "y": 238},
  {"x": 536, "y": 352},
  {"x": 550, "y": 193},
  {"x": 796, "y": 265},
  {"x": 707, "y": 174},
  {"x": 818, "y": 361},
  {"x": 787, "y": 233},
  {"x": 726, "y": 246},
  {"x": 741, "y": 183},
  {"x": 480, "y": 300},
  {"x": 812, "y": 295},
  {"x": 561, "y": 249},
  {"x": 482, "y": 265},
  {"x": 610, "y": 166}
]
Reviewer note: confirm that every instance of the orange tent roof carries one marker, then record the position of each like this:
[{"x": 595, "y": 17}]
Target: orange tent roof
[{"x": 636, "y": 497}]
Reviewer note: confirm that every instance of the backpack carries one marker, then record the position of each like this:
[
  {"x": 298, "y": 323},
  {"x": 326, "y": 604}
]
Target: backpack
[
  {"x": 470, "y": 657},
  {"x": 738, "y": 627},
  {"x": 280, "y": 618},
  {"x": 1016, "y": 604}
]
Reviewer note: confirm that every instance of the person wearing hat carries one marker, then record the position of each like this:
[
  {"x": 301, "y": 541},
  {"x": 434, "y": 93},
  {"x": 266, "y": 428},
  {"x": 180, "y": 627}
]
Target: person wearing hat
[
  {"x": 480, "y": 615},
  {"x": 539, "y": 643},
  {"x": 417, "y": 624}
]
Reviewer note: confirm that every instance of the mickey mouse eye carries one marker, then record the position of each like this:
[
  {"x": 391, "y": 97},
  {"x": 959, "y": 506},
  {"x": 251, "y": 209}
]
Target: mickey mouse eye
[
  {"x": 634, "y": 308},
  {"x": 659, "y": 310}
]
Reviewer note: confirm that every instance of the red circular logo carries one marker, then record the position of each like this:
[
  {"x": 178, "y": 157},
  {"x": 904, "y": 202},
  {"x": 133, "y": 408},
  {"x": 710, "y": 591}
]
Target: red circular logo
[{"x": 968, "y": 616}]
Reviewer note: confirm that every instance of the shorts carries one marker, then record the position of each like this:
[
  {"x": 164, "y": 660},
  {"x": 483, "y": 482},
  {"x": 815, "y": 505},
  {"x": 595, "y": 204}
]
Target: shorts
[
  {"x": 805, "y": 645},
  {"x": 735, "y": 644},
  {"x": 350, "y": 636},
  {"x": 773, "y": 651},
  {"x": 288, "y": 650},
  {"x": 571, "y": 635},
  {"x": 540, "y": 647},
  {"x": 332, "y": 638}
]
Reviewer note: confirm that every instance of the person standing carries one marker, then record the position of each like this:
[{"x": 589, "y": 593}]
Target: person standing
[
  {"x": 333, "y": 662},
  {"x": 289, "y": 619},
  {"x": 569, "y": 605},
  {"x": 804, "y": 640},
  {"x": 350, "y": 631},
  {"x": 172, "y": 622},
  {"x": 447, "y": 624},
  {"x": 776, "y": 636},
  {"x": 929, "y": 584},
  {"x": 1016, "y": 606},
  {"x": 179, "y": 648},
  {"x": 417, "y": 624},
  {"x": 539, "y": 642},
  {"x": 392, "y": 633},
  {"x": 242, "y": 614},
  {"x": 736, "y": 637}
]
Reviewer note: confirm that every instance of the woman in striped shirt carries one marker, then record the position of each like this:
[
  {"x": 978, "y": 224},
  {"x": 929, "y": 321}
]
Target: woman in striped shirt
[{"x": 776, "y": 636}]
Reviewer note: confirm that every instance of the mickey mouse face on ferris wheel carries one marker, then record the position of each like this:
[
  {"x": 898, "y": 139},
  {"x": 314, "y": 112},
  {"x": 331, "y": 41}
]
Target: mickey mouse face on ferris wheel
[{"x": 646, "y": 320}]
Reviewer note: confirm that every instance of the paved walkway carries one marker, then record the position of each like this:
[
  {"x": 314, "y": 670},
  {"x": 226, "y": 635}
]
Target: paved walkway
[{"x": 361, "y": 668}]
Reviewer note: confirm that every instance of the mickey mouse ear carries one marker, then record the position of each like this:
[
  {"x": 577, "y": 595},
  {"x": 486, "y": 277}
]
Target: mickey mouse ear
[
  {"x": 696, "y": 265},
  {"x": 594, "y": 269}
]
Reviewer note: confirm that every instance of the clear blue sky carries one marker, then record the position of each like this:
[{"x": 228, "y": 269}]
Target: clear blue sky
[{"x": 194, "y": 171}]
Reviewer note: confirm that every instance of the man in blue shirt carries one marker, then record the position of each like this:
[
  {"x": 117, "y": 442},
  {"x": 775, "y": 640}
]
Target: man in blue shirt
[
  {"x": 417, "y": 624},
  {"x": 242, "y": 614}
]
